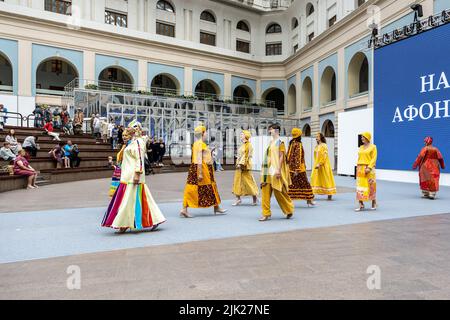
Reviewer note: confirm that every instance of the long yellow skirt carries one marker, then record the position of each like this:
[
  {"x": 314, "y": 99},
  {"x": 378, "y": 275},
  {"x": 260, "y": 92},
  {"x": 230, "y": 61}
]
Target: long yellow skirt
[
  {"x": 366, "y": 184},
  {"x": 322, "y": 180},
  {"x": 201, "y": 194},
  {"x": 244, "y": 183}
]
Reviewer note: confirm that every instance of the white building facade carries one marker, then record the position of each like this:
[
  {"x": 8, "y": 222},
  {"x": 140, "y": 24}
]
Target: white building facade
[{"x": 308, "y": 56}]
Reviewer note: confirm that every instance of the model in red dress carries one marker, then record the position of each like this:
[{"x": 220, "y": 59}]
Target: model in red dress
[{"x": 429, "y": 161}]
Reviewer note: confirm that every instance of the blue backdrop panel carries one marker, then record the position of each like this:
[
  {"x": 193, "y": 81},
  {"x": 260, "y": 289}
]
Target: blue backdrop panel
[{"x": 412, "y": 98}]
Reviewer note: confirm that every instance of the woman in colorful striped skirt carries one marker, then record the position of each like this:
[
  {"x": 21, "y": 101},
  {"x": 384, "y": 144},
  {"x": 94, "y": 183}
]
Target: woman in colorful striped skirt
[{"x": 132, "y": 206}]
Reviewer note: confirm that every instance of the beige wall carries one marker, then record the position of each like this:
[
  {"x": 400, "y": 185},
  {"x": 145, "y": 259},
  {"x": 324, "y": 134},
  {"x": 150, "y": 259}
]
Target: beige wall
[{"x": 347, "y": 31}]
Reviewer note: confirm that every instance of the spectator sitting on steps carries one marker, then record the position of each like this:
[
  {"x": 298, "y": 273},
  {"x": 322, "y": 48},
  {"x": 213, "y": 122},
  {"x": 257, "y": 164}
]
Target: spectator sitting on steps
[
  {"x": 23, "y": 168},
  {"x": 57, "y": 154},
  {"x": 68, "y": 128},
  {"x": 49, "y": 130},
  {"x": 6, "y": 153},
  {"x": 14, "y": 144},
  {"x": 30, "y": 145},
  {"x": 73, "y": 154},
  {"x": 67, "y": 149}
]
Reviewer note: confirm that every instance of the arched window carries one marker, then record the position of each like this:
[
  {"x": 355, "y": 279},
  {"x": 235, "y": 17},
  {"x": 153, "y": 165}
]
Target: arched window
[
  {"x": 273, "y": 28},
  {"x": 309, "y": 9},
  {"x": 53, "y": 74},
  {"x": 208, "y": 16},
  {"x": 6, "y": 74},
  {"x": 307, "y": 130},
  {"x": 358, "y": 74},
  {"x": 294, "y": 23},
  {"x": 165, "y": 6},
  {"x": 242, "y": 25}
]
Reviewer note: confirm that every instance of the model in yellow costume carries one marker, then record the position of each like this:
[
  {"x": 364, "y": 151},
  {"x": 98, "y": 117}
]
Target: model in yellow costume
[
  {"x": 201, "y": 188},
  {"x": 322, "y": 179},
  {"x": 299, "y": 189},
  {"x": 244, "y": 183},
  {"x": 132, "y": 206},
  {"x": 275, "y": 176},
  {"x": 366, "y": 185}
]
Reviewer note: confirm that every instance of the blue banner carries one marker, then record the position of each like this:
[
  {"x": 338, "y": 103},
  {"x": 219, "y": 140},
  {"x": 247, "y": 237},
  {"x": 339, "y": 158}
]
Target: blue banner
[{"x": 412, "y": 98}]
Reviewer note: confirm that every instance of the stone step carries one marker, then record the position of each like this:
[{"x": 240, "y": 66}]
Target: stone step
[
  {"x": 82, "y": 146},
  {"x": 89, "y": 153},
  {"x": 45, "y": 138}
]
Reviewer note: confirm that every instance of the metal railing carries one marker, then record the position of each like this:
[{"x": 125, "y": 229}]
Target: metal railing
[
  {"x": 12, "y": 115},
  {"x": 126, "y": 88},
  {"x": 409, "y": 30}
]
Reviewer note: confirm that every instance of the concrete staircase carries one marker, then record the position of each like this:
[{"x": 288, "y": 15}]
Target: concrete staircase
[
  {"x": 94, "y": 164},
  {"x": 93, "y": 154}
]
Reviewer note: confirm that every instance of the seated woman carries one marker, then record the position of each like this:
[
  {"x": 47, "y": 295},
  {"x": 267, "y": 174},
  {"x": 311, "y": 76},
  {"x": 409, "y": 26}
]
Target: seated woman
[
  {"x": 6, "y": 152},
  {"x": 49, "y": 130},
  {"x": 23, "y": 168},
  {"x": 57, "y": 154},
  {"x": 15, "y": 146}
]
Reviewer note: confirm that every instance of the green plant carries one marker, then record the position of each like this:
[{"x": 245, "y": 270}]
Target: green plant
[{"x": 91, "y": 87}]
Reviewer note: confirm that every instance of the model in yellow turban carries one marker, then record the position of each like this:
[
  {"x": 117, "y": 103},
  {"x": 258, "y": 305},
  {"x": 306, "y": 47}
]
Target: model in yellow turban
[
  {"x": 247, "y": 134},
  {"x": 367, "y": 135},
  {"x": 200, "y": 129},
  {"x": 296, "y": 132}
]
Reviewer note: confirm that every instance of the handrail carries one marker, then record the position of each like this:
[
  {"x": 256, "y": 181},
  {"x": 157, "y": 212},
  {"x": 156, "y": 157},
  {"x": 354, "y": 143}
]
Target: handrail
[
  {"x": 16, "y": 115},
  {"x": 127, "y": 88}
]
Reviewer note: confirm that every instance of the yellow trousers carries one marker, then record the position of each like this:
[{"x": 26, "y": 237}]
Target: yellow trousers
[{"x": 283, "y": 199}]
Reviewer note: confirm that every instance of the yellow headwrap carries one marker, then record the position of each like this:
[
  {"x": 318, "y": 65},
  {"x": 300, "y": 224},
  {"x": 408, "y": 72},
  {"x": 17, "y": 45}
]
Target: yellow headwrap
[
  {"x": 367, "y": 135},
  {"x": 296, "y": 132},
  {"x": 247, "y": 134},
  {"x": 200, "y": 129}
]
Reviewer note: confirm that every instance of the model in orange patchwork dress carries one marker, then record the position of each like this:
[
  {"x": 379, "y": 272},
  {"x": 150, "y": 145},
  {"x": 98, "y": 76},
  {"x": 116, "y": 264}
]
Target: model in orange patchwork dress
[
  {"x": 366, "y": 184},
  {"x": 299, "y": 189},
  {"x": 428, "y": 161},
  {"x": 201, "y": 188}
]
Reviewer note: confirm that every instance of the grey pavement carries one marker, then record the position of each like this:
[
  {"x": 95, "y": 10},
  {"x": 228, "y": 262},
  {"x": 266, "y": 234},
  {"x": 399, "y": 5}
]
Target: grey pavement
[
  {"x": 63, "y": 232},
  {"x": 324, "y": 263}
]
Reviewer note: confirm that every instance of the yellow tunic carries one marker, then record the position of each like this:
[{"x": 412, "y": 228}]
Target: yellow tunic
[
  {"x": 272, "y": 164},
  {"x": 366, "y": 185},
  {"x": 244, "y": 183},
  {"x": 204, "y": 193},
  {"x": 322, "y": 179},
  {"x": 271, "y": 184}
]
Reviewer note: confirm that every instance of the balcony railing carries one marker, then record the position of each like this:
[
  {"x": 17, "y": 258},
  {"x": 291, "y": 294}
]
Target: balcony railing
[{"x": 161, "y": 92}]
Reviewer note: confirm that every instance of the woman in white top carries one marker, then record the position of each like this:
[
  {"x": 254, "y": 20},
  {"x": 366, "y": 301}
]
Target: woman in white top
[{"x": 15, "y": 145}]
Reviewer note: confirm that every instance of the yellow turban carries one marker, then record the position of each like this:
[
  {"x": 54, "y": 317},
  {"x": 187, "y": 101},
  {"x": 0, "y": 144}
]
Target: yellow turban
[
  {"x": 296, "y": 132},
  {"x": 367, "y": 135},
  {"x": 200, "y": 129},
  {"x": 247, "y": 134}
]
